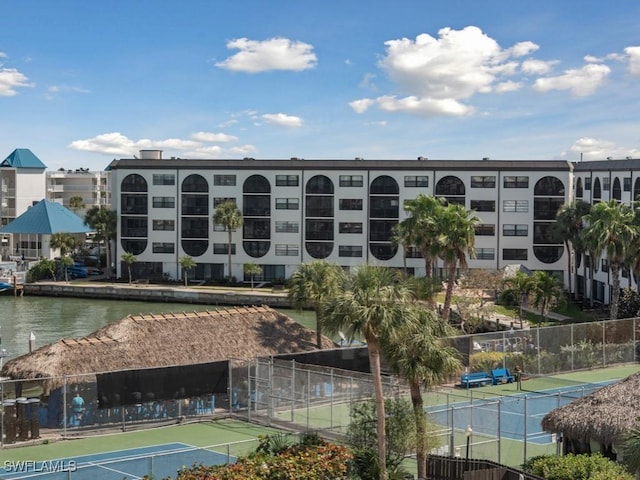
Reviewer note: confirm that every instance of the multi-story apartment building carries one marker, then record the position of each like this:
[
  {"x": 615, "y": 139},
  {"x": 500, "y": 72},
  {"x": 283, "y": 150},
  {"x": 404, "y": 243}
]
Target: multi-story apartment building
[
  {"x": 22, "y": 184},
  {"x": 90, "y": 186},
  {"x": 343, "y": 211}
]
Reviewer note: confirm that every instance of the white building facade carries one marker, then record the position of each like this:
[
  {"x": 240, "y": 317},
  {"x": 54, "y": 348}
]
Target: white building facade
[
  {"x": 92, "y": 187},
  {"x": 342, "y": 211}
]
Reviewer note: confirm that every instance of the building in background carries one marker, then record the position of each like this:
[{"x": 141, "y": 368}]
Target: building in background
[{"x": 91, "y": 187}]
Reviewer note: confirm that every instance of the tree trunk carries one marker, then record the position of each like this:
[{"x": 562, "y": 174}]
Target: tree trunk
[
  {"x": 229, "y": 254},
  {"x": 318, "y": 328},
  {"x": 615, "y": 290},
  {"x": 374, "y": 363},
  {"x": 451, "y": 278},
  {"x": 421, "y": 428},
  {"x": 570, "y": 268}
]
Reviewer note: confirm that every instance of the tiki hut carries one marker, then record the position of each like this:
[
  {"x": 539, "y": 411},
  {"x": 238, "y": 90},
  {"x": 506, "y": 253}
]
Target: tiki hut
[
  {"x": 597, "y": 422},
  {"x": 159, "y": 340}
]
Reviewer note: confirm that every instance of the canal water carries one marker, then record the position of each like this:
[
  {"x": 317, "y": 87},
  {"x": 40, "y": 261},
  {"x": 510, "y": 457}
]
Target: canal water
[{"x": 53, "y": 318}]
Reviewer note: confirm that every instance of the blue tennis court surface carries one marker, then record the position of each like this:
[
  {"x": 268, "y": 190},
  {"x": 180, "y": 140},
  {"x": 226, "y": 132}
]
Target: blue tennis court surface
[{"x": 157, "y": 461}]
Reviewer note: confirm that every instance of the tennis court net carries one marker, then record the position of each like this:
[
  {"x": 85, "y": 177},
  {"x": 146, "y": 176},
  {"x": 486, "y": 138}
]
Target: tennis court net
[{"x": 559, "y": 386}]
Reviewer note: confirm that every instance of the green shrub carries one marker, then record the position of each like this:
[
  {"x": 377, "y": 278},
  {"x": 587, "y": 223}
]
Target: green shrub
[
  {"x": 577, "y": 467},
  {"x": 486, "y": 361}
]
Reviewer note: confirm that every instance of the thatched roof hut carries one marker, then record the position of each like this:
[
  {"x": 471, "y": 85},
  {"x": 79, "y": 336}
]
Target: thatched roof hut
[
  {"x": 603, "y": 416},
  {"x": 159, "y": 340}
]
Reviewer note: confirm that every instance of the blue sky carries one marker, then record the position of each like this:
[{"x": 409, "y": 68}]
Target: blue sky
[{"x": 83, "y": 82}]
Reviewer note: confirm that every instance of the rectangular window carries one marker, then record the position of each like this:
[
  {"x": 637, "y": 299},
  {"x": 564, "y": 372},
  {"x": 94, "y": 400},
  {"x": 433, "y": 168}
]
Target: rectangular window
[
  {"x": 287, "y": 227},
  {"x": 350, "y": 227},
  {"x": 518, "y": 206},
  {"x": 606, "y": 184},
  {"x": 416, "y": 181},
  {"x": 287, "y": 250},
  {"x": 218, "y": 227},
  {"x": 513, "y": 230},
  {"x": 224, "y": 180},
  {"x": 287, "y": 180},
  {"x": 164, "y": 202},
  {"x": 485, "y": 253},
  {"x": 605, "y": 265},
  {"x": 167, "y": 225},
  {"x": 626, "y": 184},
  {"x": 350, "y": 180},
  {"x": 287, "y": 203},
  {"x": 223, "y": 249},
  {"x": 514, "y": 254},
  {"x": 163, "y": 247},
  {"x": 587, "y": 183},
  {"x": 483, "y": 205},
  {"x": 511, "y": 181},
  {"x": 164, "y": 179},
  {"x": 485, "y": 229},
  {"x": 350, "y": 251},
  {"x": 483, "y": 181},
  {"x": 218, "y": 200},
  {"x": 350, "y": 204}
]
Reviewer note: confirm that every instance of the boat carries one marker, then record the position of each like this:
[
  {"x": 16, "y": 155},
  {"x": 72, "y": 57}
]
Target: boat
[{"x": 9, "y": 275}]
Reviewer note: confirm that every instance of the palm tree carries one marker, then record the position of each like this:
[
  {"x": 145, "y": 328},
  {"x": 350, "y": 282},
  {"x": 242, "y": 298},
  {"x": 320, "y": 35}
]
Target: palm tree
[
  {"x": 186, "y": 263},
  {"x": 67, "y": 261},
  {"x": 421, "y": 225},
  {"x": 519, "y": 286},
  {"x": 311, "y": 285},
  {"x": 76, "y": 203},
  {"x": 610, "y": 229},
  {"x": 455, "y": 239},
  {"x": 402, "y": 236},
  {"x": 64, "y": 241},
  {"x": 228, "y": 215},
  {"x": 569, "y": 223},
  {"x": 631, "y": 450},
  {"x": 252, "y": 269},
  {"x": 372, "y": 306},
  {"x": 104, "y": 222},
  {"x": 546, "y": 290},
  {"x": 129, "y": 259},
  {"x": 417, "y": 352}
]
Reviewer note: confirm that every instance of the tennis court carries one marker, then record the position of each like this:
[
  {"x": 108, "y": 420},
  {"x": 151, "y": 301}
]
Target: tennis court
[{"x": 158, "y": 461}]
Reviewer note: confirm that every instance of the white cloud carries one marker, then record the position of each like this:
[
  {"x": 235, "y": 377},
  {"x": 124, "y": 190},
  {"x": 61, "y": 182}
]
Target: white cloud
[
  {"x": 273, "y": 54},
  {"x": 381, "y": 123},
  {"x": 282, "y": 120},
  {"x": 634, "y": 59},
  {"x": 113, "y": 143},
  {"x": 508, "y": 86},
  {"x": 213, "y": 151},
  {"x": 537, "y": 67},
  {"x": 243, "y": 150},
  {"x": 213, "y": 137},
  {"x": 581, "y": 82},
  {"x": 10, "y": 80},
  {"x": 361, "y": 106},
  {"x": 595, "y": 149},
  {"x": 436, "y": 75}
]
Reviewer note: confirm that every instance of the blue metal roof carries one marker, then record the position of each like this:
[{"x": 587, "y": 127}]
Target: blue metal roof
[
  {"x": 47, "y": 217},
  {"x": 22, "y": 158}
]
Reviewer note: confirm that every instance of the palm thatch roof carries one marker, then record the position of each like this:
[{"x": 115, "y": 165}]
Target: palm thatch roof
[
  {"x": 158, "y": 340},
  {"x": 603, "y": 416}
]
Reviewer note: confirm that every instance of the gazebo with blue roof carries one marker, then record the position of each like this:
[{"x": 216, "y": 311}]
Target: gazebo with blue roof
[{"x": 38, "y": 223}]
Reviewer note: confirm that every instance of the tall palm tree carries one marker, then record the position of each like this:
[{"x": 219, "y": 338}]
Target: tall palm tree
[
  {"x": 569, "y": 223},
  {"x": 520, "y": 286},
  {"x": 66, "y": 242},
  {"x": 129, "y": 259},
  {"x": 421, "y": 227},
  {"x": 311, "y": 285},
  {"x": 402, "y": 236},
  {"x": 455, "y": 239},
  {"x": 610, "y": 229},
  {"x": 104, "y": 223},
  {"x": 186, "y": 263},
  {"x": 546, "y": 290},
  {"x": 372, "y": 305},
  {"x": 228, "y": 215},
  {"x": 416, "y": 351}
]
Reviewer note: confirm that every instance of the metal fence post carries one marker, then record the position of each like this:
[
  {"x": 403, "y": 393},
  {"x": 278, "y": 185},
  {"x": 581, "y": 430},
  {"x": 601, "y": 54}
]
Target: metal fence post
[
  {"x": 293, "y": 389},
  {"x": 64, "y": 405},
  {"x": 526, "y": 399}
]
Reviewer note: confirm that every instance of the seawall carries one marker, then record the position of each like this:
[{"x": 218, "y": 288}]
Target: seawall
[{"x": 156, "y": 293}]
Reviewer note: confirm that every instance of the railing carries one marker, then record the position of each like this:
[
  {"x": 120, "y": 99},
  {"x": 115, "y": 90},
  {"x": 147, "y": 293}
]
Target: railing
[{"x": 455, "y": 468}]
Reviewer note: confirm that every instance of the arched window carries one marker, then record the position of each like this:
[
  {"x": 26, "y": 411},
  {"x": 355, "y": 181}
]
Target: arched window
[
  {"x": 195, "y": 183},
  {"x": 616, "y": 191},
  {"x": 195, "y": 248},
  {"x": 133, "y": 246},
  {"x": 450, "y": 185},
  {"x": 256, "y": 210},
  {"x": 384, "y": 185},
  {"x": 549, "y": 186},
  {"x": 256, "y": 184},
  {"x": 319, "y": 185},
  {"x": 579, "y": 188},
  {"x": 597, "y": 189},
  {"x": 133, "y": 183}
]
